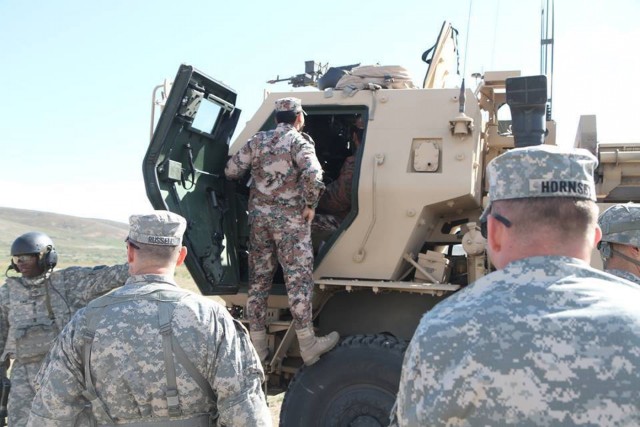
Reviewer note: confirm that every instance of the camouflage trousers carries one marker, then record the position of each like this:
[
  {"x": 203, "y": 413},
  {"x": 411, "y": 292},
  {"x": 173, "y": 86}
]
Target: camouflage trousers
[
  {"x": 285, "y": 240},
  {"x": 22, "y": 392}
]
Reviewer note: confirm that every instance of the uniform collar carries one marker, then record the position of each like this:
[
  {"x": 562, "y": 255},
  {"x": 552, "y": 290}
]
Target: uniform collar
[{"x": 143, "y": 279}]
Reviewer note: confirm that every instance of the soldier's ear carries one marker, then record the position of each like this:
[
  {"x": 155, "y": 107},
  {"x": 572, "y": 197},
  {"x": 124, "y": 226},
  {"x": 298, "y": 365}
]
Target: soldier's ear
[
  {"x": 496, "y": 241},
  {"x": 597, "y": 236},
  {"x": 182, "y": 256},
  {"x": 130, "y": 253},
  {"x": 494, "y": 233}
]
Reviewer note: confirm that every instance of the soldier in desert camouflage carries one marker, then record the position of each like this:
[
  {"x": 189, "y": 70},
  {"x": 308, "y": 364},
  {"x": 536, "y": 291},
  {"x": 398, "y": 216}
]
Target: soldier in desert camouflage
[
  {"x": 285, "y": 189},
  {"x": 335, "y": 202},
  {"x": 151, "y": 353},
  {"x": 620, "y": 244},
  {"x": 37, "y": 305},
  {"x": 546, "y": 339}
]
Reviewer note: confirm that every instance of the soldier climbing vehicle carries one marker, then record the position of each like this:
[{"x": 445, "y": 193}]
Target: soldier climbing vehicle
[{"x": 411, "y": 237}]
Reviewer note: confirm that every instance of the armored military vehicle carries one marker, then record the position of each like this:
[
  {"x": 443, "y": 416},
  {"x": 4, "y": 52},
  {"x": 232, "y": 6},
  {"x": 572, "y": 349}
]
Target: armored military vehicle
[{"x": 411, "y": 236}]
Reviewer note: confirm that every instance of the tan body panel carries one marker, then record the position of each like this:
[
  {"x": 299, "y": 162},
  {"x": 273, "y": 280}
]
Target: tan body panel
[{"x": 397, "y": 205}]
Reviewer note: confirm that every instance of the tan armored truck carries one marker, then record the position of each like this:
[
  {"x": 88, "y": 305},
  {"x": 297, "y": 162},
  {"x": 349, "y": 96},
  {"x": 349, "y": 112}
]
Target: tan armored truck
[{"x": 411, "y": 238}]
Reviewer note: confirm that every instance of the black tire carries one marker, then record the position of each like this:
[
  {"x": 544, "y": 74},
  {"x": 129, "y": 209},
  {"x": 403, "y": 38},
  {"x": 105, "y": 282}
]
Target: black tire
[{"x": 353, "y": 385}]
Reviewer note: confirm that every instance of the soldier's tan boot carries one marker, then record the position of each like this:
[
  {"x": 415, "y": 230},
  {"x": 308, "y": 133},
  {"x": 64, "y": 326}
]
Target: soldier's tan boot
[
  {"x": 259, "y": 340},
  {"x": 311, "y": 347}
]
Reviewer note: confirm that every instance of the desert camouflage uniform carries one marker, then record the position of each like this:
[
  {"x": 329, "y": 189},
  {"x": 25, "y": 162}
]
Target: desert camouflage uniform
[
  {"x": 335, "y": 203},
  {"x": 32, "y": 313},
  {"x": 286, "y": 177},
  {"x": 128, "y": 366},
  {"x": 546, "y": 341},
  {"x": 325, "y": 223},
  {"x": 336, "y": 199}
]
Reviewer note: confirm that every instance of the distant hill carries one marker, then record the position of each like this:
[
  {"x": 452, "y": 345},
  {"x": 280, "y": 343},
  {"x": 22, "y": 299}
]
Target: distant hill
[{"x": 78, "y": 241}]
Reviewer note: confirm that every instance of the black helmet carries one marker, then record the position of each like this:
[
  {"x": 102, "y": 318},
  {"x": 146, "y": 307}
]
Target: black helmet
[{"x": 38, "y": 243}]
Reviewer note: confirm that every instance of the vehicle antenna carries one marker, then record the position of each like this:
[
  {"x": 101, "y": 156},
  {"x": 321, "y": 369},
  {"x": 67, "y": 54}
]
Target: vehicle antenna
[
  {"x": 461, "y": 99},
  {"x": 495, "y": 34},
  {"x": 466, "y": 42},
  {"x": 546, "y": 48}
]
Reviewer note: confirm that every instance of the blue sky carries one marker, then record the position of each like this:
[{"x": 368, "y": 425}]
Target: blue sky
[{"x": 77, "y": 76}]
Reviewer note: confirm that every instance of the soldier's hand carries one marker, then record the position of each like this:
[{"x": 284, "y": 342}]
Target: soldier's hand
[{"x": 308, "y": 214}]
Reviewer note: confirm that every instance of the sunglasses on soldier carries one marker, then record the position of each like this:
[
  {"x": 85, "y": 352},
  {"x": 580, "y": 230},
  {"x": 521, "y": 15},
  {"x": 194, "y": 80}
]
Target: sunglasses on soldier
[
  {"x": 130, "y": 243},
  {"x": 498, "y": 217},
  {"x": 23, "y": 258}
]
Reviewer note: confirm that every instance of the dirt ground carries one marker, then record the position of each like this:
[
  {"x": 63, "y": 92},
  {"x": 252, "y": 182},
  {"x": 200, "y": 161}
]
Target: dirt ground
[{"x": 274, "y": 403}]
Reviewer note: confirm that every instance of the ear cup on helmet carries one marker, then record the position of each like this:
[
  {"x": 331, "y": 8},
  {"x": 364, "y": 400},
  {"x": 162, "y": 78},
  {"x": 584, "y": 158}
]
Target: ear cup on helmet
[
  {"x": 49, "y": 258},
  {"x": 605, "y": 249}
]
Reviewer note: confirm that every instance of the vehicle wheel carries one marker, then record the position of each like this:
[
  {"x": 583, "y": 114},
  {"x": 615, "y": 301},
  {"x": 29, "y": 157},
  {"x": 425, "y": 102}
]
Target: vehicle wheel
[{"x": 355, "y": 384}]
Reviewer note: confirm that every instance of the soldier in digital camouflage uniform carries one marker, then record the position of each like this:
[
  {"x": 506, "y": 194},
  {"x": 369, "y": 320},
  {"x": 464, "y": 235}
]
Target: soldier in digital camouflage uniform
[
  {"x": 546, "y": 339},
  {"x": 37, "y": 305},
  {"x": 620, "y": 244},
  {"x": 335, "y": 202},
  {"x": 285, "y": 188},
  {"x": 151, "y": 353}
]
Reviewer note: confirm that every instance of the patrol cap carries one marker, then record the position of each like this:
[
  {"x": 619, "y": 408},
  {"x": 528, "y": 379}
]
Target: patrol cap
[
  {"x": 162, "y": 228},
  {"x": 621, "y": 224},
  {"x": 290, "y": 104},
  {"x": 541, "y": 171}
]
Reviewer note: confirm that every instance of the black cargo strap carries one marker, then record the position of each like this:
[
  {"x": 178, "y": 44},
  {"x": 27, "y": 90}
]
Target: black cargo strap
[
  {"x": 192, "y": 170},
  {"x": 97, "y": 406}
]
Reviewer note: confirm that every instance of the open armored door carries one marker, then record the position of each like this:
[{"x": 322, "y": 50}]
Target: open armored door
[
  {"x": 184, "y": 172},
  {"x": 442, "y": 58}
]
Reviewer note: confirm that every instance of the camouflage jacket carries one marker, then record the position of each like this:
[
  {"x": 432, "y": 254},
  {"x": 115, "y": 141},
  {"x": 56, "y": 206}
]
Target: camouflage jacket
[
  {"x": 625, "y": 275},
  {"x": 33, "y": 311},
  {"x": 336, "y": 200},
  {"x": 286, "y": 174},
  {"x": 127, "y": 362},
  {"x": 545, "y": 341}
]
